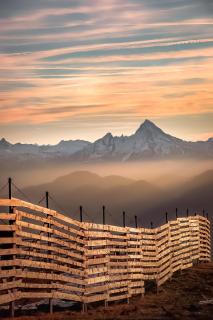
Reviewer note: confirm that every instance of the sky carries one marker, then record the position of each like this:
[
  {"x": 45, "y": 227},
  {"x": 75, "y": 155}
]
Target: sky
[{"x": 78, "y": 69}]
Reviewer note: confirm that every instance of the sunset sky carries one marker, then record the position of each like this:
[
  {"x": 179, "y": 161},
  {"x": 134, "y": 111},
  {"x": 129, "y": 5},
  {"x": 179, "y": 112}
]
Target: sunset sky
[{"x": 78, "y": 69}]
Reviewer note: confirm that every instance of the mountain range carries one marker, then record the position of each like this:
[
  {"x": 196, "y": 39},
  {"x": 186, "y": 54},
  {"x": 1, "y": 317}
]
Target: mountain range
[
  {"x": 117, "y": 193},
  {"x": 148, "y": 142}
]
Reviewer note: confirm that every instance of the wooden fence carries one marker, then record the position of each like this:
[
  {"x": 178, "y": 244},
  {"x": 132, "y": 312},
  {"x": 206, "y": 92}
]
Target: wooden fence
[{"x": 44, "y": 254}]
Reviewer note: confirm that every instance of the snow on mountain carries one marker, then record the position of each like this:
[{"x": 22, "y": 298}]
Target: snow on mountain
[
  {"x": 148, "y": 142},
  {"x": 60, "y": 149},
  {"x": 67, "y": 147}
]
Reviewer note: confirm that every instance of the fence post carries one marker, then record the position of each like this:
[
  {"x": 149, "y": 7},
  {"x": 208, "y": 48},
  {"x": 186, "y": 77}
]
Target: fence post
[
  {"x": 203, "y": 213},
  {"x": 176, "y": 213},
  {"x": 47, "y": 199},
  {"x": 10, "y": 193},
  {"x": 104, "y": 215},
  {"x": 187, "y": 212},
  {"x": 166, "y": 217},
  {"x": 49, "y": 252},
  {"x": 12, "y": 303},
  {"x": 81, "y": 214},
  {"x": 151, "y": 225},
  {"x": 136, "y": 222},
  {"x": 84, "y": 304},
  {"x": 124, "y": 219},
  {"x": 104, "y": 222}
]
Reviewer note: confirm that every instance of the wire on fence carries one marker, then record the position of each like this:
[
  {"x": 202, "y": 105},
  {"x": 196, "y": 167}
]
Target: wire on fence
[
  {"x": 76, "y": 214},
  {"x": 3, "y": 187},
  {"x": 84, "y": 212},
  {"x": 21, "y": 192},
  {"x": 112, "y": 218},
  {"x": 60, "y": 207},
  {"x": 130, "y": 218},
  {"x": 95, "y": 218},
  {"x": 41, "y": 200}
]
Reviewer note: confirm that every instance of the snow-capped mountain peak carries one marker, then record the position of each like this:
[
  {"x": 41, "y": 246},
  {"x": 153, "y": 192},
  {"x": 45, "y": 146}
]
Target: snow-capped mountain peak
[{"x": 148, "y": 128}]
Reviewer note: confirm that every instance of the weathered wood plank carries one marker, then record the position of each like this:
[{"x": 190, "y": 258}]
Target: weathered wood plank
[{"x": 7, "y": 216}]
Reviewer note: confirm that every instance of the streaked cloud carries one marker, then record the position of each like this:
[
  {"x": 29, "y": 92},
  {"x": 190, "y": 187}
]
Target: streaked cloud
[{"x": 87, "y": 62}]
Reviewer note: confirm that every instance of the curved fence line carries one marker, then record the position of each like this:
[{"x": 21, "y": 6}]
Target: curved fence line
[{"x": 45, "y": 254}]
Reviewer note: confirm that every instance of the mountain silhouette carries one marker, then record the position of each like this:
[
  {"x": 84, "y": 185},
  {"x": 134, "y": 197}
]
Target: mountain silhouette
[
  {"x": 148, "y": 142},
  {"x": 140, "y": 197}
]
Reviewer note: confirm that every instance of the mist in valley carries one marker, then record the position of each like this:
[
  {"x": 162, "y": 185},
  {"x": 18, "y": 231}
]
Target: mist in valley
[
  {"x": 162, "y": 173},
  {"x": 146, "y": 189}
]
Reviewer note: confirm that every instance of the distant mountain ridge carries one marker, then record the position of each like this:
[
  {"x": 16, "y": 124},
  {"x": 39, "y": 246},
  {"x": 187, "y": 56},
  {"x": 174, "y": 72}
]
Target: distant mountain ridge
[
  {"x": 148, "y": 142},
  {"x": 139, "y": 197},
  {"x": 65, "y": 147}
]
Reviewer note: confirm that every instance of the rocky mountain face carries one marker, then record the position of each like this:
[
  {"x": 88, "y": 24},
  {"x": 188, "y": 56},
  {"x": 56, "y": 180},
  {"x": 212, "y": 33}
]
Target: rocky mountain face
[{"x": 148, "y": 142}]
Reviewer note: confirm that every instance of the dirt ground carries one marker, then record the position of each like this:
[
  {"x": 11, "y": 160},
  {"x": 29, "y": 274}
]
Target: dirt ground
[{"x": 179, "y": 298}]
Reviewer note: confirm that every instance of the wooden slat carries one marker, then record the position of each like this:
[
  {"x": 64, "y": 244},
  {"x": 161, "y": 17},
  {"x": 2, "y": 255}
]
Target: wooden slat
[
  {"x": 52, "y": 248},
  {"x": 49, "y": 230},
  {"x": 57, "y": 241},
  {"x": 7, "y": 216},
  {"x": 49, "y": 220}
]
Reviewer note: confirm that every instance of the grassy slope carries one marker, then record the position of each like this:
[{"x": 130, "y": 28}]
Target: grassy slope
[{"x": 177, "y": 299}]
